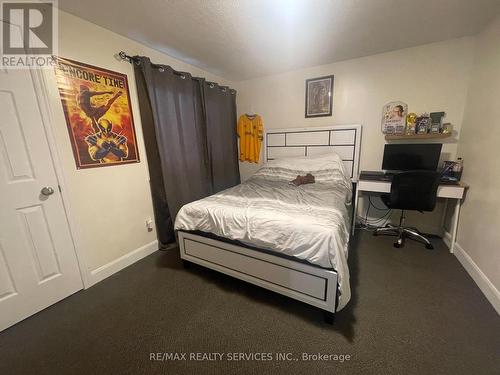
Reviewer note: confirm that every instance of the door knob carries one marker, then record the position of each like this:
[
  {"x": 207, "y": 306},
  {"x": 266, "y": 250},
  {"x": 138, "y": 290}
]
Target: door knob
[{"x": 47, "y": 190}]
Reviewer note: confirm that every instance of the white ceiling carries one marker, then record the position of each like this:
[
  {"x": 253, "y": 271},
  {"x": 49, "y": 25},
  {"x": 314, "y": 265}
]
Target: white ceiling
[{"x": 242, "y": 39}]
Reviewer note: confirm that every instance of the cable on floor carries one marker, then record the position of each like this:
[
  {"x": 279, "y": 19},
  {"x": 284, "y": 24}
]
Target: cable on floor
[{"x": 373, "y": 224}]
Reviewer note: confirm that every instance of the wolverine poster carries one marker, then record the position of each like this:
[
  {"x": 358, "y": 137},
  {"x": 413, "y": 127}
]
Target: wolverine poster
[{"x": 96, "y": 104}]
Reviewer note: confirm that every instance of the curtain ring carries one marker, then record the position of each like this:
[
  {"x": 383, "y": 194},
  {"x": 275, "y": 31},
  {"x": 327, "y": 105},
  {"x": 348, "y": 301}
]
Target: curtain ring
[
  {"x": 223, "y": 89},
  {"x": 161, "y": 69},
  {"x": 183, "y": 76},
  {"x": 211, "y": 85}
]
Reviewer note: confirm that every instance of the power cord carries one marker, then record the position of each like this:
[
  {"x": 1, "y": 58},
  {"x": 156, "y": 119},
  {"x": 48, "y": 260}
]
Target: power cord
[
  {"x": 373, "y": 224},
  {"x": 380, "y": 209}
]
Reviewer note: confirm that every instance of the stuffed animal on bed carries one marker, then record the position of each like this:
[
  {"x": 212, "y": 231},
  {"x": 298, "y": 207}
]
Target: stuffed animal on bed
[{"x": 302, "y": 180}]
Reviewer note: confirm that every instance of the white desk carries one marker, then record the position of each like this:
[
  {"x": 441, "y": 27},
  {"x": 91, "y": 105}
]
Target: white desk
[{"x": 456, "y": 192}]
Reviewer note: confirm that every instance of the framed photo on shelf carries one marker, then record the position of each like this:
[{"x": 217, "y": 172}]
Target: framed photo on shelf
[
  {"x": 319, "y": 96},
  {"x": 394, "y": 118}
]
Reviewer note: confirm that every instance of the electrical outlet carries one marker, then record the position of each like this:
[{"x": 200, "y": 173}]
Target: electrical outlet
[{"x": 149, "y": 224}]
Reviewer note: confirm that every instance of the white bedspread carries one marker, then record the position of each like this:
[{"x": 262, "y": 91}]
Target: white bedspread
[{"x": 309, "y": 222}]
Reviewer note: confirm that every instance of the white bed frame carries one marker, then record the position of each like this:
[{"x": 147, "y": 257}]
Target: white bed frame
[{"x": 313, "y": 285}]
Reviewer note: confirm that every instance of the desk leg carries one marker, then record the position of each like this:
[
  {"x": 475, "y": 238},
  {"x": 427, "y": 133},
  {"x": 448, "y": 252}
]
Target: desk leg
[
  {"x": 443, "y": 216},
  {"x": 456, "y": 214},
  {"x": 355, "y": 210}
]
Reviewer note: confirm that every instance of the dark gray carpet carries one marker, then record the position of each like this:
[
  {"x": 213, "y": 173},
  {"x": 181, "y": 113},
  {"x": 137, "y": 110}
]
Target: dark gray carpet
[{"x": 413, "y": 311}]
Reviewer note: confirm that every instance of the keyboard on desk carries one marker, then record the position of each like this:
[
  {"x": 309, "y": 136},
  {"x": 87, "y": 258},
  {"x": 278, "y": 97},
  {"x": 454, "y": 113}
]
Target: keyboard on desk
[
  {"x": 387, "y": 176},
  {"x": 376, "y": 175}
]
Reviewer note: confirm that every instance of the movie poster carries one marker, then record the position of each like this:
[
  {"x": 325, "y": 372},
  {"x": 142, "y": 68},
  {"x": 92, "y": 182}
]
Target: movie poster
[{"x": 96, "y": 104}]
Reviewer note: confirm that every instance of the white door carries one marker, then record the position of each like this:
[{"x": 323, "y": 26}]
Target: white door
[{"x": 38, "y": 265}]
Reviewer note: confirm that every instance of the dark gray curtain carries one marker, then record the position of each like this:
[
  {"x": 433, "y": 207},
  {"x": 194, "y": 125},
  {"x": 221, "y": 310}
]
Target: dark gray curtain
[
  {"x": 189, "y": 129},
  {"x": 164, "y": 224},
  {"x": 220, "y": 108}
]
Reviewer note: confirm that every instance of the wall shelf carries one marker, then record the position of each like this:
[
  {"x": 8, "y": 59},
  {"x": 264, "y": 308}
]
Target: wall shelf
[{"x": 392, "y": 137}]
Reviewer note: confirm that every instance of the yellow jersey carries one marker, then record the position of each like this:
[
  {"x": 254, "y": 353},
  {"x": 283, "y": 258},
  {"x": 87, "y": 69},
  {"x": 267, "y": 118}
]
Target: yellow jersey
[{"x": 251, "y": 133}]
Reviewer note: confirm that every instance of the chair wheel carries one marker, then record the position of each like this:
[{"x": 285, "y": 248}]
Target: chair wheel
[
  {"x": 398, "y": 243},
  {"x": 430, "y": 247}
]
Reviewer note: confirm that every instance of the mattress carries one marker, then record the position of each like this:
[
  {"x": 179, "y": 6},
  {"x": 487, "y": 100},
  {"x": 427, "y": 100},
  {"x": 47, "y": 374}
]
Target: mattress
[{"x": 308, "y": 222}]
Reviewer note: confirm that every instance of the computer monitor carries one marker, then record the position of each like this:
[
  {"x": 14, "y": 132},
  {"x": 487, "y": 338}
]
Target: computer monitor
[{"x": 407, "y": 157}]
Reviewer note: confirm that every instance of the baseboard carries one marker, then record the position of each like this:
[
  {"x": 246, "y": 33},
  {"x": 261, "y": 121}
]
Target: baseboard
[
  {"x": 482, "y": 281},
  {"x": 118, "y": 264}
]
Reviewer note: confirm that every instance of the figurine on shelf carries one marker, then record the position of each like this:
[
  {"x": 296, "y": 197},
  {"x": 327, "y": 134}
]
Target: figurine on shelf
[
  {"x": 436, "y": 122},
  {"x": 411, "y": 119},
  {"x": 447, "y": 128},
  {"x": 423, "y": 123}
]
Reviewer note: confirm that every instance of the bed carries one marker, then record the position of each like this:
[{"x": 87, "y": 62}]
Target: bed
[{"x": 290, "y": 239}]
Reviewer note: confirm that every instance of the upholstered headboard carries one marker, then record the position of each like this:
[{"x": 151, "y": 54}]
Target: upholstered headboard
[{"x": 345, "y": 140}]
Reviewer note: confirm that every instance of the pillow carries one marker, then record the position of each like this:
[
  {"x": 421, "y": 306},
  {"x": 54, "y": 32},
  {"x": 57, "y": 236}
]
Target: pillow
[
  {"x": 325, "y": 168},
  {"x": 315, "y": 162}
]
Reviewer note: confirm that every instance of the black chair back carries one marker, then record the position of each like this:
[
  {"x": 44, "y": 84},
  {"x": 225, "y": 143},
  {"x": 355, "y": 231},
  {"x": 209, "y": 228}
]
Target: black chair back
[{"x": 414, "y": 190}]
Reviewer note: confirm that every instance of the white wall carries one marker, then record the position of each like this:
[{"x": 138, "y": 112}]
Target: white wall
[
  {"x": 109, "y": 206},
  {"x": 431, "y": 77},
  {"x": 478, "y": 234}
]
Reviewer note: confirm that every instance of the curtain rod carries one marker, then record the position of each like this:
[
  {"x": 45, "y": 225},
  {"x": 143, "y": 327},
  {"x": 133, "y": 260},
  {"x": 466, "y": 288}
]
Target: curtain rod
[
  {"x": 124, "y": 56},
  {"x": 132, "y": 59}
]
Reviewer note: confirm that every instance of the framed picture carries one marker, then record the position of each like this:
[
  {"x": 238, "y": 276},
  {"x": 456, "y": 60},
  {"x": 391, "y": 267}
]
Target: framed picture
[
  {"x": 394, "y": 118},
  {"x": 319, "y": 96},
  {"x": 96, "y": 104}
]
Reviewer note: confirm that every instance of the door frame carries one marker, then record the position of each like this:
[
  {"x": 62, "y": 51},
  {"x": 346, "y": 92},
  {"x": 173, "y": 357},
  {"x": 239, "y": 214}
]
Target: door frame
[{"x": 41, "y": 79}]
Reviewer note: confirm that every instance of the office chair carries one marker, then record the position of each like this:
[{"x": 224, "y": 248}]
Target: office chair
[{"x": 412, "y": 190}]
